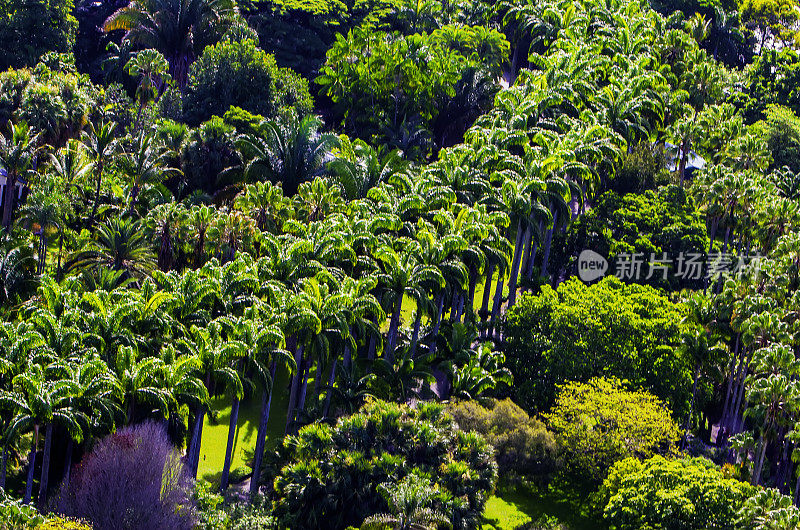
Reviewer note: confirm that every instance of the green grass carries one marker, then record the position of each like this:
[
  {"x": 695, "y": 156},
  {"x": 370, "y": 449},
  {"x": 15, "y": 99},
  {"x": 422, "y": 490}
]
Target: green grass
[
  {"x": 215, "y": 431},
  {"x": 511, "y": 508}
]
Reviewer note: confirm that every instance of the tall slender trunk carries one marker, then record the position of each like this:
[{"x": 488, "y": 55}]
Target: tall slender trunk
[
  {"x": 688, "y": 423},
  {"x": 48, "y": 444},
  {"x": 331, "y": 381},
  {"x": 526, "y": 249},
  {"x": 31, "y": 466},
  {"x": 301, "y": 401},
  {"x": 393, "y": 327},
  {"x": 261, "y": 436},
  {"x": 226, "y": 468},
  {"x": 415, "y": 335},
  {"x": 68, "y": 461},
  {"x": 728, "y": 391},
  {"x": 193, "y": 455},
  {"x": 487, "y": 293},
  {"x": 513, "y": 275},
  {"x": 534, "y": 250},
  {"x": 548, "y": 240},
  {"x": 8, "y": 200},
  {"x": 437, "y": 323},
  {"x": 4, "y": 466},
  {"x": 469, "y": 310},
  {"x": 498, "y": 300},
  {"x": 759, "y": 463},
  {"x": 298, "y": 360}
]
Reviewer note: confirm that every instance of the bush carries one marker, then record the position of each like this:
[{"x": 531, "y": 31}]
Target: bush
[
  {"x": 207, "y": 152},
  {"x": 328, "y": 475},
  {"x": 132, "y": 479},
  {"x": 55, "y": 103},
  {"x": 523, "y": 445},
  {"x": 678, "y": 494},
  {"x": 640, "y": 170},
  {"x": 782, "y": 133},
  {"x": 599, "y": 423},
  {"x": 605, "y": 329},
  {"x": 242, "y": 75}
]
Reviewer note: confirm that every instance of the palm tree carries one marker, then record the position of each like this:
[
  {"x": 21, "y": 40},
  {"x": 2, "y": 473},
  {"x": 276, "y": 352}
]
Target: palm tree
[
  {"x": 140, "y": 383},
  {"x": 216, "y": 357},
  {"x": 121, "y": 245},
  {"x": 146, "y": 163},
  {"x": 18, "y": 153},
  {"x": 404, "y": 274},
  {"x": 17, "y": 269},
  {"x": 179, "y": 29},
  {"x": 410, "y": 504},
  {"x": 100, "y": 143},
  {"x": 44, "y": 212},
  {"x": 39, "y": 403},
  {"x": 358, "y": 167},
  {"x": 290, "y": 152},
  {"x": 151, "y": 68}
]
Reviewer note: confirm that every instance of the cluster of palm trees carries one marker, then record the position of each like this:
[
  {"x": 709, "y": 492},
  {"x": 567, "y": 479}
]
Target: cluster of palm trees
[{"x": 311, "y": 267}]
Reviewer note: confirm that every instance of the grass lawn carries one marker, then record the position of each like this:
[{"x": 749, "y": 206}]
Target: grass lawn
[
  {"x": 511, "y": 508},
  {"x": 215, "y": 432}
]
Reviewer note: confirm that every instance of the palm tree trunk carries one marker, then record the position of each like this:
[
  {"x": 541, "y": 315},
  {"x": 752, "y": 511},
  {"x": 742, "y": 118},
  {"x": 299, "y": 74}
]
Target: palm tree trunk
[
  {"x": 513, "y": 276},
  {"x": 226, "y": 468},
  {"x": 469, "y": 310},
  {"x": 498, "y": 299},
  {"x": 437, "y": 324},
  {"x": 261, "y": 436},
  {"x": 8, "y": 200},
  {"x": 393, "y": 327},
  {"x": 301, "y": 402},
  {"x": 731, "y": 377},
  {"x": 68, "y": 462},
  {"x": 759, "y": 463},
  {"x": 548, "y": 240},
  {"x": 48, "y": 444},
  {"x": 193, "y": 454},
  {"x": 487, "y": 293},
  {"x": 691, "y": 408},
  {"x": 415, "y": 335},
  {"x": 3, "y": 467},
  {"x": 331, "y": 381},
  {"x": 31, "y": 465},
  {"x": 298, "y": 360}
]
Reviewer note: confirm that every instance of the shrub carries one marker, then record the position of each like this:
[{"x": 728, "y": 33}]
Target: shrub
[
  {"x": 599, "y": 423},
  {"x": 640, "y": 170},
  {"x": 207, "y": 152},
  {"x": 132, "y": 479},
  {"x": 605, "y": 329},
  {"x": 522, "y": 444},
  {"x": 328, "y": 475},
  {"x": 242, "y": 75},
  {"x": 684, "y": 493}
]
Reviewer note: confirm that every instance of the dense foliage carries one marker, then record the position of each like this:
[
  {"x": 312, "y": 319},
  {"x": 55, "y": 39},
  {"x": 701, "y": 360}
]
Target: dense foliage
[
  {"x": 606, "y": 329},
  {"x": 328, "y": 474},
  {"x": 599, "y": 423}
]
